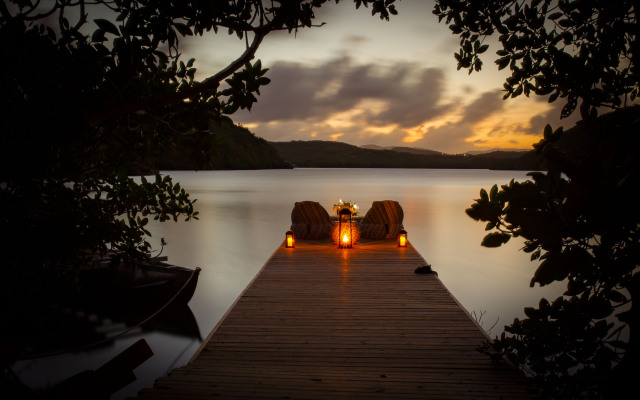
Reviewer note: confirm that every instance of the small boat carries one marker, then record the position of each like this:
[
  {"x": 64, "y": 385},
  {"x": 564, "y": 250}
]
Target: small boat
[
  {"x": 153, "y": 282},
  {"x": 152, "y": 296},
  {"x": 109, "y": 301}
]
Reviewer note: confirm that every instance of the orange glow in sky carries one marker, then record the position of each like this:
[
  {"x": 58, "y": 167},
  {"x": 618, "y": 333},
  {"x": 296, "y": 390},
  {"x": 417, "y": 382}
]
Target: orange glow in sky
[
  {"x": 360, "y": 80},
  {"x": 510, "y": 129}
]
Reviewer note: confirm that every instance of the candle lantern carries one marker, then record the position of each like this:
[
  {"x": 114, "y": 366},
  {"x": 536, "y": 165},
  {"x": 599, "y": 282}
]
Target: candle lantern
[
  {"x": 345, "y": 236},
  {"x": 402, "y": 238},
  {"x": 289, "y": 239}
]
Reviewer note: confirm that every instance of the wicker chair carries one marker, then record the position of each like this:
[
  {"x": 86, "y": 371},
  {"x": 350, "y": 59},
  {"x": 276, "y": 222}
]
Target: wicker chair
[
  {"x": 382, "y": 221},
  {"x": 309, "y": 220}
]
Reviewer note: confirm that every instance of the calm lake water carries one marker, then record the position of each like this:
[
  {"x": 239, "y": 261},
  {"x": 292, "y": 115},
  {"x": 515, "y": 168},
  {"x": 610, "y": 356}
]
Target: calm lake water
[{"x": 243, "y": 218}]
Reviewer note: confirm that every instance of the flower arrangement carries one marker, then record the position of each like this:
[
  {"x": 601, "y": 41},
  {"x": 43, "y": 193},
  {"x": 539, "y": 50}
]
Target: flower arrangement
[{"x": 351, "y": 205}]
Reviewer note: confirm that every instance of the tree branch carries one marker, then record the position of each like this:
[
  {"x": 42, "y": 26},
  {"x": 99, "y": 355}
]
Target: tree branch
[{"x": 211, "y": 83}]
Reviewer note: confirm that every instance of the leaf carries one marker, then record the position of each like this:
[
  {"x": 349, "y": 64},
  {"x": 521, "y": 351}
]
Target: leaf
[
  {"x": 569, "y": 107},
  {"x": 555, "y": 16},
  {"x": 574, "y": 288},
  {"x": 455, "y": 29},
  {"x": 503, "y": 62},
  {"x": 531, "y": 312},
  {"x": 530, "y": 246},
  {"x": 263, "y": 81},
  {"x": 98, "y": 36},
  {"x": 483, "y": 195},
  {"x": 467, "y": 46},
  {"x": 518, "y": 91},
  {"x": 493, "y": 193},
  {"x": 548, "y": 131},
  {"x": 107, "y": 26},
  {"x": 482, "y": 211},
  {"x": 183, "y": 29},
  {"x": 535, "y": 255},
  {"x": 544, "y": 305},
  {"x": 566, "y": 23},
  {"x": 553, "y": 268},
  {"x": 495, "y": 239}
]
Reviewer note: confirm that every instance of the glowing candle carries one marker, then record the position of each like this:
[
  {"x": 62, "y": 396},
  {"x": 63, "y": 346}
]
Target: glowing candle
[
  {"x": 402, "y": 238},
  {"x": 289, "y": 239}
]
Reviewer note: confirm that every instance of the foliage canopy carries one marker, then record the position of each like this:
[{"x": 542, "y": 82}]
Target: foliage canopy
[
  {"x": 579, "y": 219},
  {"x": 88, "y": 90},
  {"x": 580, "y": 50}
]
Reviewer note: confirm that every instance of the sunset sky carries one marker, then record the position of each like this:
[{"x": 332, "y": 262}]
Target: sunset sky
[{"x": 362, "y": 80}]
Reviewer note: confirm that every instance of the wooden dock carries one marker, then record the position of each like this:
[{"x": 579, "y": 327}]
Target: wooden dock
[{"x": 320, "y": 322}]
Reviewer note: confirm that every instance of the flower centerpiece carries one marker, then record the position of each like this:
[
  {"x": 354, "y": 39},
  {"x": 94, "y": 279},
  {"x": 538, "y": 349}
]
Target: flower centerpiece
[{"x": 351, "y": 205}]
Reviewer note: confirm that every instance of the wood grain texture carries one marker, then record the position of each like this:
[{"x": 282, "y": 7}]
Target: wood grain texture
[{"x": 320, "y": 322}]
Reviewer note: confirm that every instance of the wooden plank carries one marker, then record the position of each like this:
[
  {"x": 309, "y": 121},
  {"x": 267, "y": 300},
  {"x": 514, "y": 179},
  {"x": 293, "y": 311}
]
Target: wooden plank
[{"x": 319, "y": 322}]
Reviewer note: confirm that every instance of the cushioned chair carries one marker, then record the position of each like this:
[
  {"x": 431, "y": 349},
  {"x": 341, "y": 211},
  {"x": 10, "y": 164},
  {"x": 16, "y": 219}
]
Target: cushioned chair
[
  {"x": 309, "y": 220},
  {"x": 382, "y": 221}
]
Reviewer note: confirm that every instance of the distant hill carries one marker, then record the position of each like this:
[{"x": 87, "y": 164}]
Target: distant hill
[
  {"x": 414, "y": 150},
  {"x": 327, "y": 154},
  {"x": 229, "y": 147},
  {"x": 375, "y": 147},
  {"x": 497, "y": 152},
  {"x": 494, "y": 150}
]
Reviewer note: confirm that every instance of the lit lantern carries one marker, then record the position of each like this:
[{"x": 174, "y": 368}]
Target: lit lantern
[
  {"x": 289, "y": 241},
  {"x": 345, "y": 237},
  {"x": 402, "y": 238}
]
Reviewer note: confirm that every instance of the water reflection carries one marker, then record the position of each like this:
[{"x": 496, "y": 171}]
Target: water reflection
[
  {"x": 77, "y": 341},
  {"x": 245, "y": 214}
]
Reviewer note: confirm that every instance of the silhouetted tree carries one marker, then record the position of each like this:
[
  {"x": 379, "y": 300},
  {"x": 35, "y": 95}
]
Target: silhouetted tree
[
  {"x": 86, "y": 89},
  {"x": 579, "y": 219}
]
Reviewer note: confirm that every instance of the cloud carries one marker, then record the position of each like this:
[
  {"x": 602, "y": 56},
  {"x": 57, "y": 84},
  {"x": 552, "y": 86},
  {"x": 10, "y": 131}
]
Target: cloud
[
  {"x": 485, "y": 105},
  {"x": 453, "y": 136},
  {"x": 552, "y": 117},
  {"x": 356, "y": 40},
  {"x": 399, "y": 103},
  {"x": 490, "y": 122},
  {"x": 400, "y": 94}
]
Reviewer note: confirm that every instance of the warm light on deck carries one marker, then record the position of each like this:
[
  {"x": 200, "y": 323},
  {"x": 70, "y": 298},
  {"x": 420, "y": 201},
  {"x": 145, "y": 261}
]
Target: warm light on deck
[
  {"x": 289, "y": 241},
  {"x": 345, "y": 238},
  {"x": 402, "y": 238}
]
